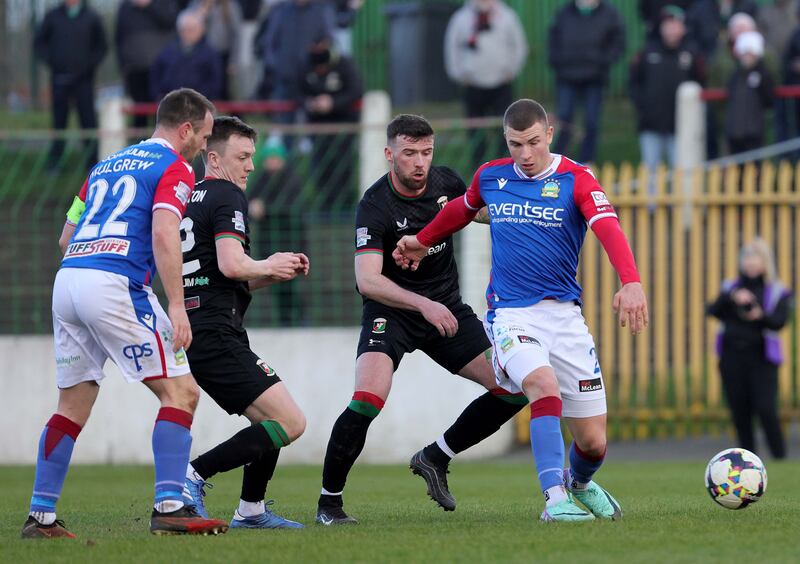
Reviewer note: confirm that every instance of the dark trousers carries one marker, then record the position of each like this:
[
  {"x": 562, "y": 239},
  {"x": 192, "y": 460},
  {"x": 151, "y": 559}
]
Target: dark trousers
[
  {"x": 80, "y": 92},
  {"x": 137, "y": 85},
  {"x": 486, "y": 102},
  {"x": 750, "y": 384},
  {"x": 568, "y": 95}
]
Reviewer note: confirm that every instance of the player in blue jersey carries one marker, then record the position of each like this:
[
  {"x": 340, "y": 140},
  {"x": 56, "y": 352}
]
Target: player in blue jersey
[
  {"x": 540, "y": 205},
  {"x": 122, "y": 226}
]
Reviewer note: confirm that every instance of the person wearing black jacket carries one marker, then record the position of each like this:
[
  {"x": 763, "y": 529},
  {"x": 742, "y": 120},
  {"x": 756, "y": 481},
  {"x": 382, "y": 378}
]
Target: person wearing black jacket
[
  {"x": 658, "y": 69},
  {"x": 143, "y": 29},
  {"x": 586, "y": 37},
  {"x": 752, "y": 309},
  {"x": 71, "y": 41},
  {"x": 750, "y": 93},
  {"x": 330, "y": 88}
]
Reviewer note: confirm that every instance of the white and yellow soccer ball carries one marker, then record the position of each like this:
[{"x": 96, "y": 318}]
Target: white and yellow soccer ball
[{"x": 736, "y": 478}]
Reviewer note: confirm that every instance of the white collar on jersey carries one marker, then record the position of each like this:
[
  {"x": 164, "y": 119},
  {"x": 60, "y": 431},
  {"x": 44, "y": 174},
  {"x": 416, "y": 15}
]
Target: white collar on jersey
[
  {"x": 160, "y": 141},
  {"x": 552, "y": 167}
]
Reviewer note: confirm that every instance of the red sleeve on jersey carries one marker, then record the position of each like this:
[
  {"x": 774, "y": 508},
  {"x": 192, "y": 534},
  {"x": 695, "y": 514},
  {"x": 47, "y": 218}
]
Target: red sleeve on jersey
[
  {"x": 454, "y": 216},
  {"x": 473, "y": 195},
  {"x": 174, "y": 188},
  {"x": 617, "y": 248},
  {"x": 590, "y": 197},
  {"x": 82, "y": 192}
]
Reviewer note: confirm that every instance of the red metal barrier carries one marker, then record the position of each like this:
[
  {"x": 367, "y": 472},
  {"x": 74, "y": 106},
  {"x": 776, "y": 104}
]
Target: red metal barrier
[{"x": 718, "y": 94}]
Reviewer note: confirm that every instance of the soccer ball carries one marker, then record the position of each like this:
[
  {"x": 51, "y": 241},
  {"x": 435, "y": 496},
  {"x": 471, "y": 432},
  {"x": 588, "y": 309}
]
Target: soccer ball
[{"x": 735, "y": 478}]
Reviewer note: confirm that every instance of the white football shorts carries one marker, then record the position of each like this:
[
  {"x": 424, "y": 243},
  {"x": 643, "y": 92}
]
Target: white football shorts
[
  {"x": 554, "y": 334},
  {"x": 99, "y": 315}
]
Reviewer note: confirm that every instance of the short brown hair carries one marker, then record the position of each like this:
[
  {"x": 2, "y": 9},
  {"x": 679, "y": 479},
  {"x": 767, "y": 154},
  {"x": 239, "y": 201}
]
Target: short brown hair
[
  {"x": 182, "y": 105},
  {"x": 523, "y": 113},
  {"x": 224, "y": 128},
  {"x": 408, "y": 125}
]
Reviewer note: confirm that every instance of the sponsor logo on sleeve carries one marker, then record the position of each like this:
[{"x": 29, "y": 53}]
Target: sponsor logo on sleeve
[
  {"x": 238, "y": 221},
  {"x": 525, "y": 339},
  {"x": 362, "y": 236},
  {"x": 600, "y": 199},
  {"x": 182, "y": 192},
  {"x": 379, "y": 325},
  {"x": 590, "y": 385}
]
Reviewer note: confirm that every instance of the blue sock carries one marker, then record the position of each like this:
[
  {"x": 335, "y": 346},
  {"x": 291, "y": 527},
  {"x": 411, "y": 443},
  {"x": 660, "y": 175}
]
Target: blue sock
[
  {"x": 52, "y": 462},
  {"x": 547, "y": 442},
  {"x": 582, "y": 466},
  {"x": 172, "y": 442}
]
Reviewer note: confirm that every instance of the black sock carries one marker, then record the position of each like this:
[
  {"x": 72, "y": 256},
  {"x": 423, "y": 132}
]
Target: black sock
[
  {"x": 257, "y": 474},
  {"x": 479, "y": 420},
  {"x": 244, "y": 447},
  {"x": 347, "y": 440}
]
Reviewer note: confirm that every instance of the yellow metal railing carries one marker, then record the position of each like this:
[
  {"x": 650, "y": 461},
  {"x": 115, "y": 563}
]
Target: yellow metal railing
[{"x": 665, "y": 382}]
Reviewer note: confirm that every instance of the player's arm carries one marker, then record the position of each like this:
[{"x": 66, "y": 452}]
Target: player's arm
[
  {"x": 453, "y": 217},
  {"x": 630, "y": 301},
  {"x": 235, "y": 264},
  {"x": 73, "y": 217},
  {"x": 374, "y": 285},
  {"x": 482, "y": 216},
  {"x": 169, "y": 262}
]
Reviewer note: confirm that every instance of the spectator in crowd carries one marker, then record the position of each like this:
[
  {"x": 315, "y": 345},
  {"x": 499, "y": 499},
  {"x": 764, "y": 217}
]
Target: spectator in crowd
[
  {"x": 706, "y": 20},
  {"x": 656, "y": 72},
  {"x": 143, "y": 29},
  {"x": 346, "y": 11},
  {"x": 276, "y": 209},
  {"x": 790, "y": 62},
  {"x": 586, "y": 37},
  {"x": 650, "y": 12},
  {"x": 330, "y": 89},
  {"x": 752, "y": 309},
  {"x": 750, "y": 93},
  {"x": 266, "y": 82},
  {"x": 294, "y": 26},
  {"x": 223, "y": 22},
  {"x": 71, "y": 41},
  {"x": 777, "y": 21},
  {"x": 189, "y": 62},
  {"x": 484, "y": 51}
]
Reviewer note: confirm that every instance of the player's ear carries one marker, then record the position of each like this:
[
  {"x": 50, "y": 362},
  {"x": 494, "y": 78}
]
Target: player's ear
[{"x": 387, "y": 152}]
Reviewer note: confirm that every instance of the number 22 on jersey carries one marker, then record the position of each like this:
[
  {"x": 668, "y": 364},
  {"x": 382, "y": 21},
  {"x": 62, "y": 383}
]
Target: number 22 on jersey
[{"x": 106, "y": 223}]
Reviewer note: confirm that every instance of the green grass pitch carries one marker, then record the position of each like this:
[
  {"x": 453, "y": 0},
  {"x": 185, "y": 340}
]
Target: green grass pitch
[{"x": 668, "y": 518}]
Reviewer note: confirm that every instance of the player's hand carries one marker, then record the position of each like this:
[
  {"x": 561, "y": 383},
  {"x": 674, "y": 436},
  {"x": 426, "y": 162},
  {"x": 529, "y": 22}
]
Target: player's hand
[
  {"x": 181, "y": 329},
  {"x": 409, "y": 252},
  {"x": 631, "y": 305},
  {"x": 282, "y": 267},
  {"x": 305, "y": 264},
  {"x": 440, "y": 317},
  {"x": 743, "y": 296}
]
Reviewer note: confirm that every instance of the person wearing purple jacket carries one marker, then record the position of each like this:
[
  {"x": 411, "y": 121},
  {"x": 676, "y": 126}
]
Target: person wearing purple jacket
[{"x": 752, "y": 309}]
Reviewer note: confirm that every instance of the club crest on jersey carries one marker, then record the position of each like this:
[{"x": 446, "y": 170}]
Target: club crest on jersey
[
  {"x": 238, "y": 221},
  {"x": 506, "y": 344},
  {"x": 442, "y": 201},
  {"x": 182, "y": 192},
  {"x": 501, "y": 183},
  {"x": 550, "y": 189},
  {"x": 378, "y": 325},
  {"x": 268, "y": 370}
]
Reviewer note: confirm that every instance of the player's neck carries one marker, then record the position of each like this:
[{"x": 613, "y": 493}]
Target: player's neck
[
  {"x": 404, "y": 190},
  {"x": 168, "y": 136}
]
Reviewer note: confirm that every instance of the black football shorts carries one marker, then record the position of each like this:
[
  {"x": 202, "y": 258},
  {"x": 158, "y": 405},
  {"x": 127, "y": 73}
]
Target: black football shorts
[
  {"x": 227, "y": 370},
  {"x": 396, "y": 332}
]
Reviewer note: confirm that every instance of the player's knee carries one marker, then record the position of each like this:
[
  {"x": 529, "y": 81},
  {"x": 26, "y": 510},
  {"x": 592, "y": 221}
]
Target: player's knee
[
  {"x": 593, "y": 445},
  {"x": 186, "y": 396},
  {"x": 296, "y": 426}
]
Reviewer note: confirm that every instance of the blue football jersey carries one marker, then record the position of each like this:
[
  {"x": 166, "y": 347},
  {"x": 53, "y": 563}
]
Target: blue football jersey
[
  {"x": 114, "y": 232},
  {"x": 537, "y": 227}
]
